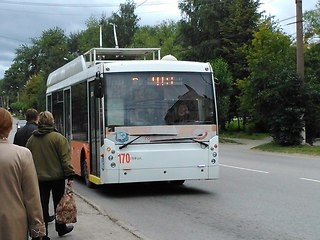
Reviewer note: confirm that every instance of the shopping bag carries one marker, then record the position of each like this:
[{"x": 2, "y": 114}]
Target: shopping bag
[{"x": 66, "y": 211}]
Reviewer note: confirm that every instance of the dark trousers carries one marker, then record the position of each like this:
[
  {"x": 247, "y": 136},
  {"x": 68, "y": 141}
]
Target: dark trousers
[{"x": 57, "y": 187}]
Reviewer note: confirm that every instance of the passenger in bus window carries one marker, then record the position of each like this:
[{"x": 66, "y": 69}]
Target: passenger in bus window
[
  {"x": 183, "y": 113},
  {"x": 178, "y": 114},
  {"x": 139, "y": 95}
]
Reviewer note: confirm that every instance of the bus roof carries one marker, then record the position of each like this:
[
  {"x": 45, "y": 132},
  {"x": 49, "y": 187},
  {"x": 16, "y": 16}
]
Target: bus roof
[
  {"x": 86, "y": 65},
  {"x": 95, "y": 55},
  {"x": 100, "y": 55}
]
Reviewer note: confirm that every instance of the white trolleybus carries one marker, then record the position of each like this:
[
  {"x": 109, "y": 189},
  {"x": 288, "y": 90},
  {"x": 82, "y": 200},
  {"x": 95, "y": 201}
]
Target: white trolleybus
[{"x": 130, "y": 119}]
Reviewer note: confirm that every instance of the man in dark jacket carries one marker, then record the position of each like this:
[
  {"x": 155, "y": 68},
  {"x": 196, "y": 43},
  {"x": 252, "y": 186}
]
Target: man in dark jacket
[{"x": 22, "y": 135}]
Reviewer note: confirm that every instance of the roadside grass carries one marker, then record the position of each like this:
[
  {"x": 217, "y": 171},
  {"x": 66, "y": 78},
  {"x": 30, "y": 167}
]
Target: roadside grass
[
  {"x": 231, "y": 137},
  {"x": 302, "y": 149},
  {"x": 241, "y": 134}
]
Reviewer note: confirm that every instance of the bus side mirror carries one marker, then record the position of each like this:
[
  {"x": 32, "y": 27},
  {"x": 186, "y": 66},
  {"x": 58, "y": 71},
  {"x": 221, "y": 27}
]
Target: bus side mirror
[{"x": 98, "y": 86}]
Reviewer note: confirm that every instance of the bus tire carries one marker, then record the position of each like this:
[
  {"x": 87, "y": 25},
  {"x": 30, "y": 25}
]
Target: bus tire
[
  {"x": 178, "y": 182},
  {"x": 85, "y": 174}
]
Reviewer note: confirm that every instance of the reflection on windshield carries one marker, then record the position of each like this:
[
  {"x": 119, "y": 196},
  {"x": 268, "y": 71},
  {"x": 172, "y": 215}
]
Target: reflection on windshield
[{"x": 134, "y": 99}]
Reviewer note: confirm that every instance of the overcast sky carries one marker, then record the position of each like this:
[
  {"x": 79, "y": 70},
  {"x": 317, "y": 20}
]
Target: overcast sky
[{"x": 22, "y": 20}]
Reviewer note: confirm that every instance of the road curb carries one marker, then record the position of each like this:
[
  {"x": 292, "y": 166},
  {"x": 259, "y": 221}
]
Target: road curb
[{"x": 118, "y": 222}]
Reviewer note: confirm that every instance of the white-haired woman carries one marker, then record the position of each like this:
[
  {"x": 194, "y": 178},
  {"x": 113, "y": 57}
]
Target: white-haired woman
[{"x": 20, "y": 209}]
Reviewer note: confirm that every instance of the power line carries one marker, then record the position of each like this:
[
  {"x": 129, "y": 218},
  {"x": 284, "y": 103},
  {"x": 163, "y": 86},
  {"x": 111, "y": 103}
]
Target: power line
[
  {"x": 286, "y": 19},
  {"x": 10, "y": 38},
  {"x": 46, "y": 4},
  {"x": 76, "y": 5}
]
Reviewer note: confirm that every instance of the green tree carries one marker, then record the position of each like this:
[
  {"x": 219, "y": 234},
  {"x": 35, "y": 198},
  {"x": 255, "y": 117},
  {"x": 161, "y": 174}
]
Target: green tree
[
  {"x": 269, "y": 53},
  {"x": 312, "y": 24},
  {"x": 43, "y": 56},
  {"x": 163, "y": 35},
  {"x": 275, "y": 92},
  {"x": 34, "y": 88},
  {"x": 52, "y": 49},
  {"x": 89, "y": 38},
  {"x": 223, "y": 79},
  {"x": 312, "y": 87},
  {"x": 285, "y": 103},
  {"x": 126, "y": 22},
  {"x": 200, "y": 35},
  {"x": 213, "y": 28}
]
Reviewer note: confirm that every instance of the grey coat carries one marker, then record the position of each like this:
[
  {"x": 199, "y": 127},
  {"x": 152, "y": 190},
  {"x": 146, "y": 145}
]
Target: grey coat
[{"x": 20, "y": 209}]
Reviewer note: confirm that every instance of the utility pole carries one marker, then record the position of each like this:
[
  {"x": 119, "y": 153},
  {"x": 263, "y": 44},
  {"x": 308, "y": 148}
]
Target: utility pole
[
  {"x": 300, "y": 54},
  {"x": 299, "y": 25}
]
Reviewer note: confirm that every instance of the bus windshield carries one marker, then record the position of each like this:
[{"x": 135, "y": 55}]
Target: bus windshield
[{"x": 158, "y": 98}]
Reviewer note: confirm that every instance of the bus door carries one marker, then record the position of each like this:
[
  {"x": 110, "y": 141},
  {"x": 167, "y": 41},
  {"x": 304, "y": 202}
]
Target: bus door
[
  {"x": 67, "y": 114},
  {"x": 95, "y": 131}
]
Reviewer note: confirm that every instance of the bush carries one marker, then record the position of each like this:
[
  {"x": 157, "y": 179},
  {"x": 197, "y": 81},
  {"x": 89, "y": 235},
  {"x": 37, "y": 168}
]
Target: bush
[
  {"x": 284, "y": 109},
  {"x": 18, "y": 107}
]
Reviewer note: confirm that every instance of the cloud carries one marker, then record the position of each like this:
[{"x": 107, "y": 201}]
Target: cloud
[
  {"x": 21, "y": 21},
  {"x": 285, "y": 12}
]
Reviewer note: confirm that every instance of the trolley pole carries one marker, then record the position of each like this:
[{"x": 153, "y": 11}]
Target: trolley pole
[
  {"x": 300, "y": 54},
  {"x": 100, "y": 35}
]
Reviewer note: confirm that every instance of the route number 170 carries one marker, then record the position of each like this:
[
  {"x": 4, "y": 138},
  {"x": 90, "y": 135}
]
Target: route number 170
[{"x": 124, "y": 158}]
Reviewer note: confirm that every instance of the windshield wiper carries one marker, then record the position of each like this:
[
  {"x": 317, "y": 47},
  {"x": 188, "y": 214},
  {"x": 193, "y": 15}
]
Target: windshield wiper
[
  {"x": 128, "y": 143},
  {"x": 148, "y": 134},
  {"x": 201, "y": 143},
  {"x": 179, "y": 139}
]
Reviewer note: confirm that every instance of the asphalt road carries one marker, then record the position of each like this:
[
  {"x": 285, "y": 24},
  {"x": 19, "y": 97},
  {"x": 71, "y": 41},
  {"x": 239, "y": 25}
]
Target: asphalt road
[{"x": 259, "y": 196}]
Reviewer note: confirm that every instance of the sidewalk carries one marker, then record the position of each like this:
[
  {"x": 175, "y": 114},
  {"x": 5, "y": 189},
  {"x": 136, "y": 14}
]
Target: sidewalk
[
  {"x": 248, "y": 143},
  {"x": 94, "y": 224}
]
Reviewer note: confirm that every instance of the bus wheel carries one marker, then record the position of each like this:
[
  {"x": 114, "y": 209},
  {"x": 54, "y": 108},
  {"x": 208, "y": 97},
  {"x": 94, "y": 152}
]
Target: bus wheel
[
  {"x": 85, "y": 174},
  {"x": 177, "y": 182}
]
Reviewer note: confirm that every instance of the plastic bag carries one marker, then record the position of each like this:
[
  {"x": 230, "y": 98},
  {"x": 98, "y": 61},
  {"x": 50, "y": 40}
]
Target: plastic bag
[{"x": 66, "y": 211}]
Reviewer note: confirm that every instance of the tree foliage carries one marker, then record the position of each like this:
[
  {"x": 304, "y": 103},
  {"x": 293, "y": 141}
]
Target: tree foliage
[
  {"x": 53, "y": 48},
  {"x": 223, "y": 80},
  {"x": 124, "y": 22},
  {"x": 286, "y": 107},
  {"x": 212, "y": 29},
  {"x": 275, "y": 92},
  {"x": 163, "y": 35},
  {"x": 270, "y": 53},
  {"x": 252, "y": 59},
  {"x": 312, "y": 88},
  {"x": 312, "y": 24}
]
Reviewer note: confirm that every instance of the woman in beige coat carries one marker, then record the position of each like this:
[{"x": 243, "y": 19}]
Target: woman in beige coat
[{"x": 20, "y": 208}]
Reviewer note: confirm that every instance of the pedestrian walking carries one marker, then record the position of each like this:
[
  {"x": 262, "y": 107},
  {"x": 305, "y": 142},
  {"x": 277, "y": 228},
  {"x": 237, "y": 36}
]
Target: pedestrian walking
[
  {"x": 52, "y": 159},
  {"x": 20, "y": 209},
  {"x": 22, "y": 135}
]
